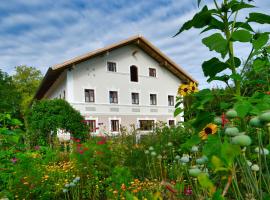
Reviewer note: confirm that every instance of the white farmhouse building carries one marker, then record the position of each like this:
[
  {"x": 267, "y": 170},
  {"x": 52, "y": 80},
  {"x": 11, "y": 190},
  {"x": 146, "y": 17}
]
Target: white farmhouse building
[{"x": 130, "y": 82}]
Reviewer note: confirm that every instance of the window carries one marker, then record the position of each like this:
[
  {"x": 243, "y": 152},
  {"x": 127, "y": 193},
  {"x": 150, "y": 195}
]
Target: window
[
  {"x": 152, "y": 72},
  {"x": 135, "y": 98},
  {"x": 92, "y": 125},
  {"x": 171, "y": 100},
  {"x": 113, "y": 97},
  {"x": 115, "y": 125},
  {"x": 111, "y": 66},
  {"x": 146, "y": 125},
  {"x": 171, "y": 122},
  {"x": 153, "y": 99},
  {"x": 133, "y": 73},
  {"x": 89, "y": 95}
]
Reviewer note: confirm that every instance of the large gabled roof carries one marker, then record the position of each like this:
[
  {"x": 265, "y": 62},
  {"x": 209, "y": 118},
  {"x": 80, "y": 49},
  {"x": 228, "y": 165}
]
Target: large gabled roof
[{"x": 54, "y": 72}]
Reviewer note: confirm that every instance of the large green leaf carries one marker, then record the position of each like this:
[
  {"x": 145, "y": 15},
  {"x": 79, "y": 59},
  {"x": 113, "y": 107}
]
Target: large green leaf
[
  {"x": 223, "y": 78},
  {"x": 243, "y": 25},
  {"x": 241, "y": 36},
  {"x": 259, "y": 18},
  {"x": 237, "y": 62},
  {"x": 214, "y": 24},
  {"x": 260, "y": 39},
  {"x": 201, "y": 19},
  {"x": 229, "y": 152},
  {"x": 217, "y": 43},
  {"x": 206, "y": 183},
  {"x": 243, "y": 108},
  {"x": 213, "y": 67},
  {"x": 259, "y": 65},
  {"x": 236, "y": 5}
]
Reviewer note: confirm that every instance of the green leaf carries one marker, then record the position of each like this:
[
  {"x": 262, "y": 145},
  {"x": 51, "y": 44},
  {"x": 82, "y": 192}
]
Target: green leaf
[
  {"x": 259, "y": 18},
  {"x": 241, "y": 36},
  {"x": 223, "y": 78},
  {"x": 194, "y": 140},
  {"x": 212, "y": 147},
  {"x": 242, "y": 108},
  {"x": 213, "y": 67},
  {"x": 199, "y": 1},
  {"x": 217, "y": 43},
  {"x": 229, "y": 152},
  {"x": 259, "y": 65},
  {"x": 260, "y": 40},
  {"x": 236, "y": 77},
  {"x": 243, "y": 25},
  {"x": 214, "y": 24},
  {"x": 237, "y": 62},
  {"x": 178, "y": 111},
  {"x": 199, "y": 20},
  {"x": 235, "y": 5},
  {"x": 206, "y": 183},
  {"x": 202, "y": 119}
]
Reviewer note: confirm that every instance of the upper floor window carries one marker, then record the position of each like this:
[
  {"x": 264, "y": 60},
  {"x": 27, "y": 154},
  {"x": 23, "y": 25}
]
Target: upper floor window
[
  {"x": 113, "y": 97},
  {"x": 152, "y": 72},
  {"x": 111, "y": 66},
  {"x": 135, "y": 98},
  {"x": 115, "y": 125},
  {"x": 89, "y": 95},
  {"x": 133, "y": 73},
  {"x": 171, "y": 100},
  {"x": 153, "y": 99}
]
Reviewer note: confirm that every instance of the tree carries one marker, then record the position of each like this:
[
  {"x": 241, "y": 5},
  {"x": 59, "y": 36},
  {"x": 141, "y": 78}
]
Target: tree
[
  {"x": 26, "y": 80},
  {"x": 46, "y": 116},
  {"x": 10, "y": 98}
]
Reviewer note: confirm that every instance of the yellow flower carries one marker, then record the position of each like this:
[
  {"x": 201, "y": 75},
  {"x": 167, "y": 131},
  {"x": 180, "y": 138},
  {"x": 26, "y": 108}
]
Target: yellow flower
[
  {"x": 183, "y": 90},
  {"x": 193, "y": 87},
  {"x": 209, "y": 129}
]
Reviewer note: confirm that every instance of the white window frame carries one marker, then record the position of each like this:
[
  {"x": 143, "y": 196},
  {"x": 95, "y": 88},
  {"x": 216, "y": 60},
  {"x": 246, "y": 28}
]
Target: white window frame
[
  {"x": 110, "y": 125},
  {"x": 149, "y": 72},
  {"x": 112, "y": 61},
  {"x": 93, "y": 118},
  {"x": 138, "y": 98},
  {"x": 173, "y": 100},
  {"x": 145, "y": 118},
  {"x": 150, "y": 98}
]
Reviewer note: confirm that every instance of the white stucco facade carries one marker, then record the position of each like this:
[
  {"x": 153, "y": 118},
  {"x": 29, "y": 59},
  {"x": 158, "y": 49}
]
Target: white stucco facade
[{"x": 93, "y": 74}]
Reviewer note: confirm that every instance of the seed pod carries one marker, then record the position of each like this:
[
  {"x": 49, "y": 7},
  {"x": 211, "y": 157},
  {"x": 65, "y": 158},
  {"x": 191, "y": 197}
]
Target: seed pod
[
  {"x": 232, "y": 131},
  {"x": 194, "y": 172},
  {"x": 231, "y": 113},
  {"x": 265, "y": 116},
  {"x": 218, "y": 120},
  {"x": 255, "y": 122},
  {"x": 242, "y": 140}
]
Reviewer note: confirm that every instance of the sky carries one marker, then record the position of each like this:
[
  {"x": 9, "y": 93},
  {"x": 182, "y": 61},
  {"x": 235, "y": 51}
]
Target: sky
[{"x": 44, "y": 33}]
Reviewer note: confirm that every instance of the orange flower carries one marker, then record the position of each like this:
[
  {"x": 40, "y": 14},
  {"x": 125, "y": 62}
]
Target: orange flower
[
  {"x": 209, "y": 129},
  {"x": 193, "y": 87},
  {"x": 123, "y": 187},
  {"x": 183, "y": 90}
]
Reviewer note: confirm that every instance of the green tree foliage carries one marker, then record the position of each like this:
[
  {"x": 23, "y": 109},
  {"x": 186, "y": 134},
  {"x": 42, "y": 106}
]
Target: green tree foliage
[
  {"x": 9, "y": 96},
  {"x": 26, "y": 80},
  {"x": 46, "y": 116},
  {"x": 223, "y": 19}
]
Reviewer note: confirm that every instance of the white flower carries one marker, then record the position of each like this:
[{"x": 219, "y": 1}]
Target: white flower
[
  {"x": 177, "y": 157},
  {"x": 65, "y": 190},
  {"x": 249, "y": 163},
  {"x": 262, "y": 151},
  {"x": 151, "y": 148},
  {"x": 153, "y": 153},
  {"x": 169, "y": 144},
  {"x": 195, "y": 149},
  {"x": 184, "y": 159},
  {"x": 67, "y": 185},
  {"x": 255, "y": 167},
  {"x": 146, "y": 152}
]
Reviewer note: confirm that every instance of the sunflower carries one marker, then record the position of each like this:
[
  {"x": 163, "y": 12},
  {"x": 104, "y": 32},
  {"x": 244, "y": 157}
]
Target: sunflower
[
  {"x": 209, "y": 129},
  {"x": 183, "y": 90},
  {"x": 193, "y": 87}
]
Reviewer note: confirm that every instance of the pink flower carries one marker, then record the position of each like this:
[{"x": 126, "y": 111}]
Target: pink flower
[
  {"x": 224, "y": 120},
  {"x": 13, "y": 160},
  {"x": 37, "y": 147},
  {"x": 102, "y": 141},
  {"x": 188, "y": 191}
]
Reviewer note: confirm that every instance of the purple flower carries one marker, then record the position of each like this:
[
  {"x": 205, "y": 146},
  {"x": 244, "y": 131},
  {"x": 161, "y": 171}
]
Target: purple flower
[
  {"x": 14, "y": 160},
  {"x": 37, "y": 147}
]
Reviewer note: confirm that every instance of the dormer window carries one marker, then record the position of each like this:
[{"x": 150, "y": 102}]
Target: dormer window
[
  {"x": 152, "y": 72},
  {"x": 133, "y": 74},
  {"x": 111, "y": 66}
]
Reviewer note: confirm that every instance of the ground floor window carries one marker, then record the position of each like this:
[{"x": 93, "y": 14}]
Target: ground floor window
[
  {"x": 146, "y": 125},
  {"x": 115, "y": 125},
  {"x": 92, "y": 125},
  {"x": 171, "y": 122}
]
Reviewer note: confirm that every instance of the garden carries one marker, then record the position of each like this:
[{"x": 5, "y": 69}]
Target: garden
[{"x": 220, "y": 151}]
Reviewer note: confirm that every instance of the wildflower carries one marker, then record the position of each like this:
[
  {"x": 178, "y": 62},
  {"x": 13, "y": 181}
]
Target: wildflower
[
  {"x": 13, "y": 160},
  {"x": 37, "y": 147},
  {"x": 255, "y": 167},
  {"x": 123, "y": 187},
  {"x": 224, "y": 120},
  {"x": 115, "y": 191},
  {"x": 102, "y": 141},
  {"x": 209, "y": 129},
  {"x": 193, "y": 87},
  {"x": 151, "y": 148},
  {"x": 183, "y": 90},
  {"x": 188, "y": 191},
  {"x": 194, "y": 149},
  {"x": 153, "y": 154},
  {"x": 169, "y": 144},
  {"x": 146, "y": 152},
  {"x": 65, "y": 190}
]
